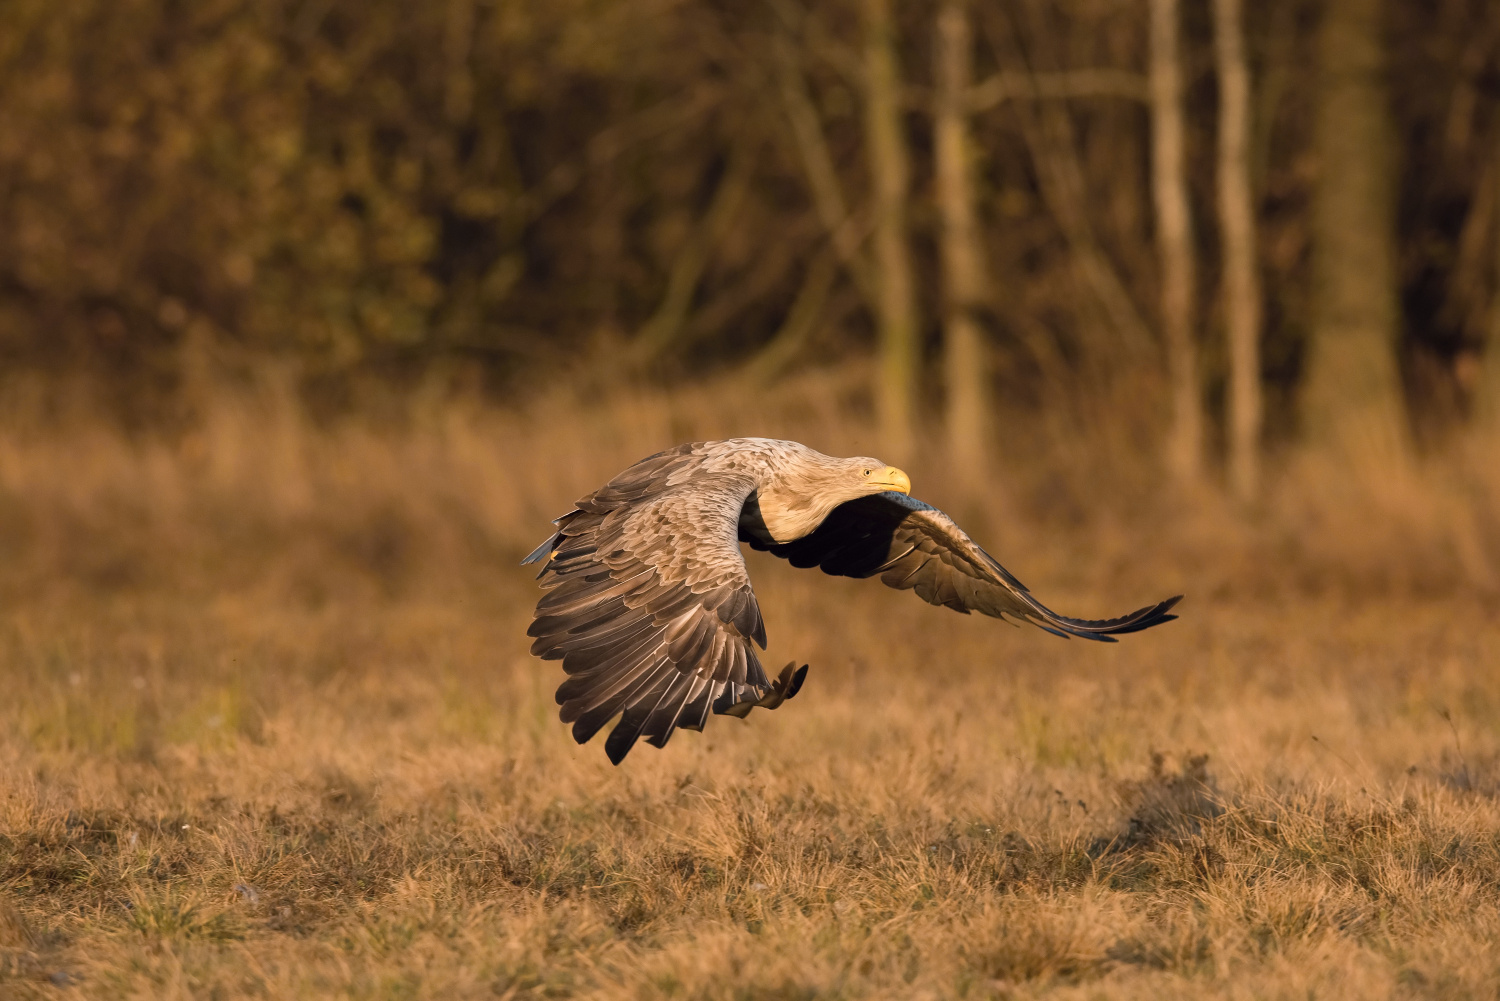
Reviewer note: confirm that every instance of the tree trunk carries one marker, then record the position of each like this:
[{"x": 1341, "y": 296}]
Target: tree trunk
[
  {"x": 1352, "y": 405},
  {"x": 965, "y": 371},
  {"x": 1175, "y": 243},
  {"x": 1242, "y": 307},
  {"x": 896, "y": 386},
  {"x": 1487, "y": 393}
]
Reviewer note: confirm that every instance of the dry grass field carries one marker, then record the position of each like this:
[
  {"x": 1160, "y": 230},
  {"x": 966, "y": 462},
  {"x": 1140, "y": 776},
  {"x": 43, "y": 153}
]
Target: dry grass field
[{"x": 269, "y": 728}]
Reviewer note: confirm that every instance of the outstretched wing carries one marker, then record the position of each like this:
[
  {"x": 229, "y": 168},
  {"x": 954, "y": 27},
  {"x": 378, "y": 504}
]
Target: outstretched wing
[
  {"x": 648, "y": 604},
  {"x": 914, "y": 545}
]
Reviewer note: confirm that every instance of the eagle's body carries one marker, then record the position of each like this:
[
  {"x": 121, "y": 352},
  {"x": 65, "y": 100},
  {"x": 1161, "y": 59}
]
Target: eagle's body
[{"x": 649, "y": 605}]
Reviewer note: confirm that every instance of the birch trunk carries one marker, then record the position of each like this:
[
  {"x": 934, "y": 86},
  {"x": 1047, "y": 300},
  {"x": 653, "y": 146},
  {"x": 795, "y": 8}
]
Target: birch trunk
[
  {"x": 1174, "y": 243},
  {"x": 965, "y": 368},
  {"x": 896, "y": 384},
  {"x": 1487, "y": 393},
  {"x": 1242, "y": 305},
  {"x": 1352, "y": 403}
]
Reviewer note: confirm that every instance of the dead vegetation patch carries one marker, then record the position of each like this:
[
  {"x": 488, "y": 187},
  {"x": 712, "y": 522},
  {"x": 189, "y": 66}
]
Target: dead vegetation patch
[{"x": 293, "y": 746}]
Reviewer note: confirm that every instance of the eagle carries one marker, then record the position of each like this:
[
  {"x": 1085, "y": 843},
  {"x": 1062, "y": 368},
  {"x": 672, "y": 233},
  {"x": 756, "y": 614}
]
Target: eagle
[{"x": 648, "y": 603}]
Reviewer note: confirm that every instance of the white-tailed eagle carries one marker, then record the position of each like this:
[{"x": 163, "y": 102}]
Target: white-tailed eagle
[{"x": 649, "y": 605}]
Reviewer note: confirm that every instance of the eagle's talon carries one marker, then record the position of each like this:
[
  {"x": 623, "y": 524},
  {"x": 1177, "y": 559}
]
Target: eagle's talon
[
  {"x": 787, "y": 684},
  {"x": 797, "y": 679}
]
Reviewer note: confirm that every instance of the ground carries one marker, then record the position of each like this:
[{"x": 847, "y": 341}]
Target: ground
[
  {"x": 270, "y": 729},
  {"x": 373, "y": 798}
]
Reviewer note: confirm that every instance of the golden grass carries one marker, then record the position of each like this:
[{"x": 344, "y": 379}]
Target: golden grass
[{"x": 270, "y": 729}]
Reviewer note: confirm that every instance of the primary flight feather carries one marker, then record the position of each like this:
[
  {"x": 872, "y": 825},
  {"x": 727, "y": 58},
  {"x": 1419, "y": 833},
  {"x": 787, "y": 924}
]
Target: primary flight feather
[{"x": 649, "y": 605}]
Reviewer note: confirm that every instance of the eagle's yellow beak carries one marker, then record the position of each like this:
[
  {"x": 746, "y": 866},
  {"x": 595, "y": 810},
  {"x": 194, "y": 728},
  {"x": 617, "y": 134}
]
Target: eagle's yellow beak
[{"x": 892, "y": 478}]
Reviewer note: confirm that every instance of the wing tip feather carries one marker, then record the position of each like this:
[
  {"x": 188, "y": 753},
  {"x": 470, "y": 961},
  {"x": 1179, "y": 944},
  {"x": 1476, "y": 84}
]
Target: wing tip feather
[
  {"x": 1106, "y": 630},
  {"x": 540, "y": 552}
]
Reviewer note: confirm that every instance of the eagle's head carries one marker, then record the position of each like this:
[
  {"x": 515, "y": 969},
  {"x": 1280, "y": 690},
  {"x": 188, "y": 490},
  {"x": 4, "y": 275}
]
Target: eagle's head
[
  {"x": 805, "y": 485},
  {"x": 871, "y": 476}
]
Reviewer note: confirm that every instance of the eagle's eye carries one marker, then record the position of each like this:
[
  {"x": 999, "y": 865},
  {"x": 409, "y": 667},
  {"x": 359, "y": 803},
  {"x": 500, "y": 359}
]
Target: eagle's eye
[{"x": 869, "y": 472}]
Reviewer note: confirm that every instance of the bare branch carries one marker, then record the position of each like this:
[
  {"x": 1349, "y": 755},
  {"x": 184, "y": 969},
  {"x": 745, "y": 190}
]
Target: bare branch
[
  {"x": 1057, "y": 86},
  {"x": 846, "y": 233},
  {"x": 801, "y": 320},
  {"x": 1065, "y": 192},
  {"x": 1048, "y": 131},
  {"x": 662, "y": 330},
  {"x": 673, "y": 113}
]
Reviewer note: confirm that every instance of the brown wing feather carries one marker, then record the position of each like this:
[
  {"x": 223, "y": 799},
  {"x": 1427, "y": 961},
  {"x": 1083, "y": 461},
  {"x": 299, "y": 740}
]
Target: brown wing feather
[
  {"x": 913, "y": 545},
  {"x": 648, "y": 604}
]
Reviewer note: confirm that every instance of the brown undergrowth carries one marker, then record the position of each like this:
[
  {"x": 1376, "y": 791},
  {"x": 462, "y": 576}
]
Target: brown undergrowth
[{"x": 270, "y": 729}]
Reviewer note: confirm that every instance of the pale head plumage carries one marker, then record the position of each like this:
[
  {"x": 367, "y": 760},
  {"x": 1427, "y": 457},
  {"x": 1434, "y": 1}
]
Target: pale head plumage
[{"x": 802, "y": 486}]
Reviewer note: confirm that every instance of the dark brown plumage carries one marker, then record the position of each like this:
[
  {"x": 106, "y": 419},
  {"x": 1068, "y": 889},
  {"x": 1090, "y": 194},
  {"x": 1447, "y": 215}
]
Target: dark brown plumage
[{"x": 650, "y": 608}]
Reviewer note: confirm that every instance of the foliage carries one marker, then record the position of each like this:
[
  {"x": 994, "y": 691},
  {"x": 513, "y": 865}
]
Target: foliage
[{"x": 493, "y": 187}]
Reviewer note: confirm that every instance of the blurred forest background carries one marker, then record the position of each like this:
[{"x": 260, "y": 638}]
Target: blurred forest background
[
  {"x": 1230, "y": 247},
  {"x": 314, "y": 312}
]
